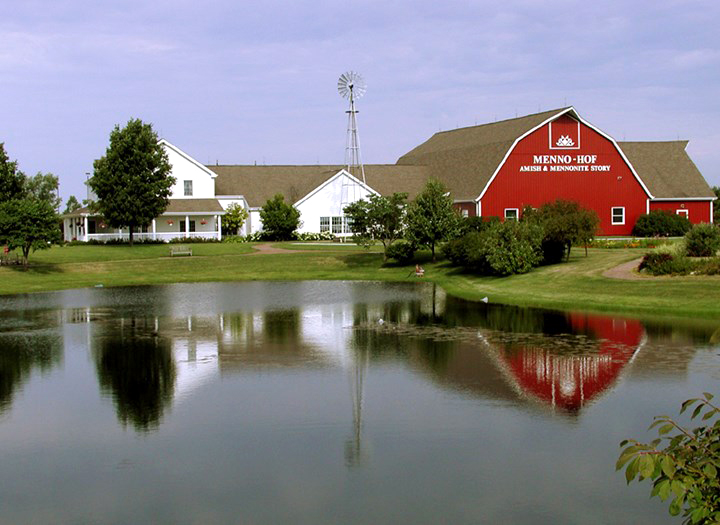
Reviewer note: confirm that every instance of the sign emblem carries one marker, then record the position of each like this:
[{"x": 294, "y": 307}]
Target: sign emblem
[{"x": 564, "y": 133}]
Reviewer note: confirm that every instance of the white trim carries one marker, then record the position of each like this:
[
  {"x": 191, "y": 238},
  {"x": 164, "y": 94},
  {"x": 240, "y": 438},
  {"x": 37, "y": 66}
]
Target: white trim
[
  {"x": 517, "y": 214},
  {"x": 340, "y": 173},
  {"x": 187, "y": 157},
  {"x": 647, "y": 206},
  {"x": 612, "y": 215},
  {"x": 550, "y": 144},
  {"x": 683, "y": 212},
  {"x": 661, "y": 199},
  {"x": 478, "y": 208},
  {"x": 550, "y": 119},
  {"x": 712, "y": 212}
]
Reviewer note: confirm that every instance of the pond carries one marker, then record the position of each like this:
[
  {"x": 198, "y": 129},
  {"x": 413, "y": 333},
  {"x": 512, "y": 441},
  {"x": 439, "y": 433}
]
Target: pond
[{"x": 329, "y": 402}]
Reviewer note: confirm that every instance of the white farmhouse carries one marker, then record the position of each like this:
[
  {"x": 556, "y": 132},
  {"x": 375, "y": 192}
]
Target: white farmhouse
[{"x": 201, "y": 194}]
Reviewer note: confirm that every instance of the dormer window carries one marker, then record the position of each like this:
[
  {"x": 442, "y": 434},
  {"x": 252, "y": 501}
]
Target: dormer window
[{"x": 188, "y": 188}]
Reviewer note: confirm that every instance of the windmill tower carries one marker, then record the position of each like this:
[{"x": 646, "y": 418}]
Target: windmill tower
[{"x": 352, "y": 86}]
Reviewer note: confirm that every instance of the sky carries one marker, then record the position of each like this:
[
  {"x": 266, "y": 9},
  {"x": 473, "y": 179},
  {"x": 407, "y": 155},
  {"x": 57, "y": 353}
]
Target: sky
[{"x": 239, "y": 82}]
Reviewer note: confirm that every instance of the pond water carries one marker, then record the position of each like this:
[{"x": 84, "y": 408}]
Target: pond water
[{"x": 328, "y": 402}]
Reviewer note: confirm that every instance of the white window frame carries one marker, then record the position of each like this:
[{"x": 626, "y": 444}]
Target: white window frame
[
  {"x": 188, "y": 188},
  {"x": 683, "y": 212},
  {"x": 465, "y": 213},
  {"x": 515, "y": 218},
  {"x": 324, "y": 224},
  {"x": 612, "y": 216}
]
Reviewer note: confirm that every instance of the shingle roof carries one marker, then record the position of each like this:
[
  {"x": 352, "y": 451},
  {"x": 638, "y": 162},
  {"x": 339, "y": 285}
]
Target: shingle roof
[
  {"x": 666, "y": 169},
  {"x": 193, "y": 206},
  {"x": 258, "y": 184},
  {"x": 465, "y": 159},
  {"x": 176, "y": 206}
]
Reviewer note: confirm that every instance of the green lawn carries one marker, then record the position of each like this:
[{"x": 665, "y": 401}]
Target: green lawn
[{"x": 578, "y": 284}]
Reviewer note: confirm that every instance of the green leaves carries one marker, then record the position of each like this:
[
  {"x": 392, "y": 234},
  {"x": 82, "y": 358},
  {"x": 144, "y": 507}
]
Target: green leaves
[
  {"x": 279, "y": 219},
  {"x": 686, "y": 468}
]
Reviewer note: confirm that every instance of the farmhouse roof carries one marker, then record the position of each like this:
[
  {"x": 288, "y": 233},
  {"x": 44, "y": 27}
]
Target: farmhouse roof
[
  {"x": 465, "y": 159},
  {"x": 193, "y": 206},
  {"x": 258, "y": 184},
  {"x": 666, "y": 169}
]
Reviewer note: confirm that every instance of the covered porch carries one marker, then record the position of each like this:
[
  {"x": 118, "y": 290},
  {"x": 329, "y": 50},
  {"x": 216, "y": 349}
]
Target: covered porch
[{"x": 183, "y": 219}]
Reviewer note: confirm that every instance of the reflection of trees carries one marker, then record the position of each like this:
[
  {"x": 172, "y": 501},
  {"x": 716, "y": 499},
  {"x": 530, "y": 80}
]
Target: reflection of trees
[
  {"x": 282, "y": 326},
  {"x": 138, "y": 370},
  {"x": 21, "y": 354}
]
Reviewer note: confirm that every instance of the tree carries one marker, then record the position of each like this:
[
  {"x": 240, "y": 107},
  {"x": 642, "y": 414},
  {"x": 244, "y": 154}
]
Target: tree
[
  {"x": 28, "y": 224},
  {"x": 378, "y": 218},
  {"x": 12, "y": 181},
  {"x": 28, "y": 218},
  {"x": 431, "y": 217},
  {"x": 72, "y": 204},
  {"x": 132, "y": 181},
  {"x": 279, "y": 219},
  {"x": 564, "y": 222},
  {"x": 234, "y": 218},
  {"x": 686, "y": 469},
  {"x": 44, "y": 186}
]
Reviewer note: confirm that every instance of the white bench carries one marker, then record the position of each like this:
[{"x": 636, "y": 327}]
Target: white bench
[{"x": 180, "y": 249}]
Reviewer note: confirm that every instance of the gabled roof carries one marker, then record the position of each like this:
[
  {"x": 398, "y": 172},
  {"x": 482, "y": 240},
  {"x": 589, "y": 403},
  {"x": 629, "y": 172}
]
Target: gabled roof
[
  {"x": 465, "y": 159},
  {"x": 666, "y": 169},
  {"x": 186, "y": 157},
  {"x": 258, "y": 184}
]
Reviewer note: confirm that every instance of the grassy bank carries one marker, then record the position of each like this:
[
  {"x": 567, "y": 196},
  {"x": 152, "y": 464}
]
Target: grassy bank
[{"x": 578, "y": 284}]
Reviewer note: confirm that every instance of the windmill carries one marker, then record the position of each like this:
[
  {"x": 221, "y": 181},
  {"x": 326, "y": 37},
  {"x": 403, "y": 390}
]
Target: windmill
[{"x": 351, "y": 86}]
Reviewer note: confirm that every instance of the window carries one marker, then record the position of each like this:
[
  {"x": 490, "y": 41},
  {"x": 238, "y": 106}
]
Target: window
[
  {"x": 337, "y": 224},
  {"x": 191, "y": 229},
  {"x": 324, "y": 224},
  {"x": 683, "y": 212},
  {"x": 465, "y": 213},
  {"x": 188, "y": 188},
  {"x": 618, "y": 215},
  {"x": 511, "y": 214},
  {"x": 347, "y": 225}
]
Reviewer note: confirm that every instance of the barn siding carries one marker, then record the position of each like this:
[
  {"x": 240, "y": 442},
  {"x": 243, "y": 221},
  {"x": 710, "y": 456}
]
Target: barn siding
[{"x": 597, "y": 190}]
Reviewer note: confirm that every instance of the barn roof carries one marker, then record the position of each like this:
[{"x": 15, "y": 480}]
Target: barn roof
[
  {"x": 666, "y": 169},
  {"x": 258, "y": 184},
  {"x": 464, "y": 159}
]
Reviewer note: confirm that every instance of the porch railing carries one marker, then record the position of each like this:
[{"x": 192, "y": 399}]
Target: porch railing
[{"x": 160, "y": 236}]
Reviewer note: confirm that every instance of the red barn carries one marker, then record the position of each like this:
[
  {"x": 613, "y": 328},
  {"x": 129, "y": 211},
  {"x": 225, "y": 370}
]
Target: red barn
[{"x": 497, "y": 169}]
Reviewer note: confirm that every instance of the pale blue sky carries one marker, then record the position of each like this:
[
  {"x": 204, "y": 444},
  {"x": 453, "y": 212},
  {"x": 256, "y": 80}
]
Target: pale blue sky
[{"x": 239, "y": 82}]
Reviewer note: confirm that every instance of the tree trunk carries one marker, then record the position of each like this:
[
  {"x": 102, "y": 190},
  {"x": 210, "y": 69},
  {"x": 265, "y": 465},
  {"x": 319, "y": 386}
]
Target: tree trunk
[
  {"x": 26, "y": 255},
  {"x": 132, "y": 226},
  {"x": 432, "y": 249}
]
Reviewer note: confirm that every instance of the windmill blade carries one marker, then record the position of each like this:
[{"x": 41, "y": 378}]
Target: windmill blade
[{"x": 351, "y": 83}]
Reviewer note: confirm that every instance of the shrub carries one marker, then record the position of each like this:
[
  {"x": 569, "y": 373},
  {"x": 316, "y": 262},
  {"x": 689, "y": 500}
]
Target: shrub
[
  {"x": 663, "y": 263},
  {"x": 703, "y": 240},
  {"x": 193, "y": 240},
  {"x": 311, "y": 236},
  {"x": 661, "y": 223},
  {"x": 402, "y": 251},
  {"x": 686, "y": 468},
  {"x": 513, "y": 247},
  {"x": 477, "y": 224},
  {"x": 503, "y": 249}
]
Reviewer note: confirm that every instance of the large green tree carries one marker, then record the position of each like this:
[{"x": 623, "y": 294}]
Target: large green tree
[
  {"x": 431, "y": 217},
  {"x": 45, "y": 187},
  {"x": 132, "y": 181},
  {"x": 12, "y": 180},
  {"x": 28, "y": 209},
  {"x": 377, "y": 219},
  {"x": 565, "y": 223},
  {"x": 279, "y": 219},
  {"x": 72, "y": 204}
]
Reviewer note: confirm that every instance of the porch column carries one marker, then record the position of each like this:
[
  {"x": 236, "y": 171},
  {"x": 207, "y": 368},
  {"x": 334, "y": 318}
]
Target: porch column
[
  {"x": 154, "y": 230},
  {"x": 187, "y": 225},
  {"x": 85, "y": 227},
  {"x": 219, "y": 226}
]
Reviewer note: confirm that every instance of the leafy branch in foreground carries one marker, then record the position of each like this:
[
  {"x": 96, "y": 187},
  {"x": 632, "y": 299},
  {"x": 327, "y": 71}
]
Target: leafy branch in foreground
[{"x": 686, "y": 469}]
